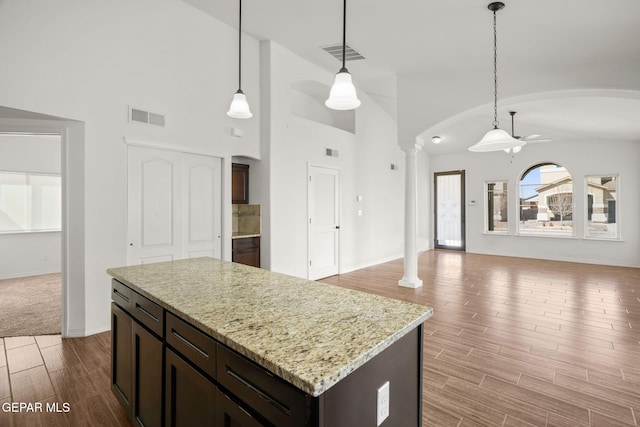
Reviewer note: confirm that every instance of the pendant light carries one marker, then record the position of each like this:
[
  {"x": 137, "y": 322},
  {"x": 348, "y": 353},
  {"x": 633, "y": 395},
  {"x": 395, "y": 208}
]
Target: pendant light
[
  {"x": 496, "y": 139},
  {"x": 239, "y": 108},
  {"x": 343, "y": 92}
]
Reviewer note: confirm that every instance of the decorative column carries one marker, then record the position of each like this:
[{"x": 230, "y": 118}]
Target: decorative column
[{"x": 410, "y": 279}]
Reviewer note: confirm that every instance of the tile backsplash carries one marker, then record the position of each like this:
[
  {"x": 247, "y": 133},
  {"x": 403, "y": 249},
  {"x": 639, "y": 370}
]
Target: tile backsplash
[{"x": 245, "y": 219}]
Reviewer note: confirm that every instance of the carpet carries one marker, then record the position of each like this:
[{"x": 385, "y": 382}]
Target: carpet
[{"x": 31, "y": 305}]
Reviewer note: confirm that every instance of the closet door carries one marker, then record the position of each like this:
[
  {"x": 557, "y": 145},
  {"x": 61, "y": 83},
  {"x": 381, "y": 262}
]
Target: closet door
[{"x": 174, "y": 205}]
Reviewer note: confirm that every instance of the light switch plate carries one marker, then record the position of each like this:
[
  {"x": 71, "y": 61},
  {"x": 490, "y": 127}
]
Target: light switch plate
[{"x": 383, "y": 403}]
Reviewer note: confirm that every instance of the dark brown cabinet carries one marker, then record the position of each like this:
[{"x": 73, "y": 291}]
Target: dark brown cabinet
[
  {"x": 239, "y": 183},
  {"x": 230, "y": 414},
  {"x": 137, "y": 355},
  {"x": 121, "y": 360},
  {"x": 190, "y": 396},
  {"x": 246, "y": 250}
]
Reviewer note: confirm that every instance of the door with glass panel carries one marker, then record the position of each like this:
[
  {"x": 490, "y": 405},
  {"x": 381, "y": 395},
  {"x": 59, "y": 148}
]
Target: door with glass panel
[{"x": 449, "y": 213}]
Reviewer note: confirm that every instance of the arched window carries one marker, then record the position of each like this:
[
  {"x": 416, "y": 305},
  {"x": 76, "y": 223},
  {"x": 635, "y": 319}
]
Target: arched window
[{"x": 546, "y": 201}]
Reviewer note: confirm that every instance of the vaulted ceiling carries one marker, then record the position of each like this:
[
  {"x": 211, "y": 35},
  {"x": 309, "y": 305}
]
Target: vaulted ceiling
[{"x": 430, "y": 63}]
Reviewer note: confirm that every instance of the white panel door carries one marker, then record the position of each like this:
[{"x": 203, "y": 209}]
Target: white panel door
[
  {"x": 174, "y": 205},
  {"x": 202, "y": 206},
  {"x": 324, "y": 222}
]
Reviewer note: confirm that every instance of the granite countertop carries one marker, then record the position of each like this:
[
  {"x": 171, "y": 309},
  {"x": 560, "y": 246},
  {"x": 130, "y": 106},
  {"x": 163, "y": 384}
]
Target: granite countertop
[{"x": 310, "y": 334}]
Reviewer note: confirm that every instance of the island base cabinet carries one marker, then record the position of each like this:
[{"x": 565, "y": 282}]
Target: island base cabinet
[
  {"x": 147, "y": 384},
  {"x": 190, "y": 396}
]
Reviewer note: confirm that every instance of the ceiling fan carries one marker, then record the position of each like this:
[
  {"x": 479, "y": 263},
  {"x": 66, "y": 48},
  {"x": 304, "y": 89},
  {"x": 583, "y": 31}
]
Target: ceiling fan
[{"x": 529, "y": 139}]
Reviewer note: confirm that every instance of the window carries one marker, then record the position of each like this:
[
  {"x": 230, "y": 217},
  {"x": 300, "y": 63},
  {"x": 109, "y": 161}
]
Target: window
[
  {"x": 602, "y": 198},
  {"x": 546, "y": 201},
  {"x": 29, "y": 202},
  {"x": 497, "y": 214}
]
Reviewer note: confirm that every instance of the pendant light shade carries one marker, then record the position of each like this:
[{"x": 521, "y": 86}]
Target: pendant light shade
[
  {"x": 496, "y": 139},
  {"x": 343, "y": 92},
  {"x": 239, "y": 108}
]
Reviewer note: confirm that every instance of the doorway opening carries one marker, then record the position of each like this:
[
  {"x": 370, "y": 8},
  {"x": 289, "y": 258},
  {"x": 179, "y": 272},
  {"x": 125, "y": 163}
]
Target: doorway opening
[{"x": 31, "y": 229}]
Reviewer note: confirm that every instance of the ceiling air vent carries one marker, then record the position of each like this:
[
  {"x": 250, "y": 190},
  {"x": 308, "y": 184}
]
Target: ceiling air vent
[
  {"x": 350, "y": 54},
  {"x": 146, "y": 117}
]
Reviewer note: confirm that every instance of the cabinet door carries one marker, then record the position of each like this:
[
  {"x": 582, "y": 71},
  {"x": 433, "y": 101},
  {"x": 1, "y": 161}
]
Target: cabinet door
[
  {"x": 239, "y": 183},
  {"x": 190, "y": 397},
  {"x": 229, "y": 414},
  {"x": 121, "y": 357},
  {"x": 147, "y": 378}
]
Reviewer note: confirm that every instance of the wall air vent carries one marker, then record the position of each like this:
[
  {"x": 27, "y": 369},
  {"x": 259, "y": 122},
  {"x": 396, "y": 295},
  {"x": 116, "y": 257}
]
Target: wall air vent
[
  {"x": 138, "y": 115},
  {"x": 330, "y": 152},
  {"x": 394, "y": 167},
  {"x": 350, "y": 53}
]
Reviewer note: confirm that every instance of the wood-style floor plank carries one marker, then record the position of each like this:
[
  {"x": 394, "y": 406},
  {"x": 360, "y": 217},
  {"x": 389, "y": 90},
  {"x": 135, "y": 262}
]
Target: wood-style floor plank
[
  {"x": 544, "y": 343},
  {"x": 512, "y": 343}
]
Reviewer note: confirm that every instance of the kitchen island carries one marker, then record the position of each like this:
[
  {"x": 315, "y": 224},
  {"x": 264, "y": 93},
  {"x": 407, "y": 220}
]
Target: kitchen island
[{"x": 210, "y": 342}]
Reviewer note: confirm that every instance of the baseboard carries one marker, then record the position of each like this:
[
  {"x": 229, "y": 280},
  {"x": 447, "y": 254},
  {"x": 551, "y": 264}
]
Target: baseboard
[
  {"x": 81, "y": 333},
  {"x": 351, "y": 268},
  {"x": 30, "y": 273}
]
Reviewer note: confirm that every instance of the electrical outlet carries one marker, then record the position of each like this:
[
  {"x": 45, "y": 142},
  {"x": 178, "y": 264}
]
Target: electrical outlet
[{"x": 383, "y": 403}]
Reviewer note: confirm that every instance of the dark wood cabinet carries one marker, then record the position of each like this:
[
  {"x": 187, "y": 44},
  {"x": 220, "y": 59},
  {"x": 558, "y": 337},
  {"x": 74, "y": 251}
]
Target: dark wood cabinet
[
  {"x": 246, "y": 250},
  {"x": 231, "y": 414},
  {"x": 147, "y": 384},
  {"x": 190, "y": 396},
  {"x": 239, "y": 183},
  {"x": 137, "y": 355},
  {"x": 121, "y": 360}
]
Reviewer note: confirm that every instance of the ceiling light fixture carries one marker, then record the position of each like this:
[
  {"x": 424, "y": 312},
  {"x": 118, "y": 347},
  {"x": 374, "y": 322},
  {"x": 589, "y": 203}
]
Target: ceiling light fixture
[
  {"x": 343, "y": 92},
  {"x": 496, "y": 139},
  {"x": 239, "y": 108},
  {"x": 436, "y": 139}
]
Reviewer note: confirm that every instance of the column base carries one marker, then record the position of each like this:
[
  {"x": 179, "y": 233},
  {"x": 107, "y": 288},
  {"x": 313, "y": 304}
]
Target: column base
[{"x": 412, "y": 282}]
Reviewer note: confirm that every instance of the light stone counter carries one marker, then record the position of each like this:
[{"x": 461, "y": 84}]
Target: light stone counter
[{"x": 311, "y": 334}]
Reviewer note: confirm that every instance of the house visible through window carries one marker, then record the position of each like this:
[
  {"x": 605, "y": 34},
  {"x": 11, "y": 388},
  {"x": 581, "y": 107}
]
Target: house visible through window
[
  {"x": 546, "y": 201},
  {"x": 29, "y": 202},
  {"x": 497, "y": 218},
  {"x": 602, "y": 197}
]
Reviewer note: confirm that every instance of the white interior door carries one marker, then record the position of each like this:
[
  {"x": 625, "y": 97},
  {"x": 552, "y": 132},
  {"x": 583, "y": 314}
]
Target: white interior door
[
  {"x": 449, "y": 210},
  {"x": 324, "y": 222},
  {"x": 174, "y": 205}
]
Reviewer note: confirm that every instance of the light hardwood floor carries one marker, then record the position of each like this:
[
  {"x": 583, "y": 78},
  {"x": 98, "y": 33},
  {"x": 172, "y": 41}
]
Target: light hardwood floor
[{"x": 512, "y": 342}]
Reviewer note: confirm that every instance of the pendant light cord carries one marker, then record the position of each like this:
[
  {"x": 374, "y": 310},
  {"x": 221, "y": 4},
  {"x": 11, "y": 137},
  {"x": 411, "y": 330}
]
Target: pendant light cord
[
  {"x": 344, "y": 35},
  {"x": 240, "y": 47},
  {"x": 495, "y": 73}
]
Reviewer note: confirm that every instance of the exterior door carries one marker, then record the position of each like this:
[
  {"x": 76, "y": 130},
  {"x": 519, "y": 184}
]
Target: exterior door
[
  {"x": 449, "y": 210},
  {"x": 324, "y": 222},
  {"x": 174, "y": 205}
]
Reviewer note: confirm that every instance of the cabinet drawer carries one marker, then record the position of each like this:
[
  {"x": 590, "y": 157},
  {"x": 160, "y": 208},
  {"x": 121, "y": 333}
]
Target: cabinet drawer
[
  {"x": 194, "y": 345},
  {"x": 274, "y": 399},
  {"x": 246, "y": 243},
  {"x": 121, "y": 295},
  {"x": 148, "y": 313}
]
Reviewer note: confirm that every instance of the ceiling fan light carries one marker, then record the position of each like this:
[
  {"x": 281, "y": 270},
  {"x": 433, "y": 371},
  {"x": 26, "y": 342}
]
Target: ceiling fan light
[
  {"x": 343, "y": 93},
  {"x": 496, "y": 140},
  {"x": 239, "y": 108}
]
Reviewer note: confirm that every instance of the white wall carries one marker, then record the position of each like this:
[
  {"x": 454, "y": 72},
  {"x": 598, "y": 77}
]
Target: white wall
[
  {"x": 89, "y": 60},
  {"x": 581, "y": 158},
  {"x": 364, "y": 163},
  {"x": 26, "y": 254}
]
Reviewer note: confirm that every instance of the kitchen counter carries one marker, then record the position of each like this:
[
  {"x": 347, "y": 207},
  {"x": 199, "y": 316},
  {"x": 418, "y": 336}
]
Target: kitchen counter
[
  {"x": 244, "y": 235},
  {"x": 310, "y": 334}
]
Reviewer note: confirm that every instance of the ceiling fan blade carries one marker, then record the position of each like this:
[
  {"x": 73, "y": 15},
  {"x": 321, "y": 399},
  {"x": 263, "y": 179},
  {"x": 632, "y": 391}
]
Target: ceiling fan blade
[{"x": 534, "y": 138}]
